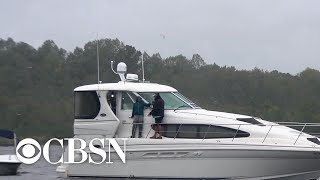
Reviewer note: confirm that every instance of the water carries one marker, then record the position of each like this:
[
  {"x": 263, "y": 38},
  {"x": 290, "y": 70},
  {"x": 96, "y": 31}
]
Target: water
[
  {"x": 38, "y": 171},
  {"x": 41, "y": 170}
]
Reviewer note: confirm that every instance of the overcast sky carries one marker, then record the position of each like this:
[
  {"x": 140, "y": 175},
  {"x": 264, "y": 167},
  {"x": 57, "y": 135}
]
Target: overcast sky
[{"x": 272, "y": 34}]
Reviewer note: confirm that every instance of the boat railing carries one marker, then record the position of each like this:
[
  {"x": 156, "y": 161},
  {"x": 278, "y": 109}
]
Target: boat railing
[
  {"x": 201, "y": 114},
  {"x": 207, "y": 134}
]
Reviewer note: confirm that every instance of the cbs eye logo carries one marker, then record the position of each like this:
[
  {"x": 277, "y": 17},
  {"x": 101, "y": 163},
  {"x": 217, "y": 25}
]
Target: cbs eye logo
[{"x": 28, "y": 151}]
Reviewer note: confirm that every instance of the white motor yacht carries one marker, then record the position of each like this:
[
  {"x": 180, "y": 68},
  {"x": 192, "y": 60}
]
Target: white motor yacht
[
  {"x": 9, "y": 163},
  {"x": 196, "y": 143}
]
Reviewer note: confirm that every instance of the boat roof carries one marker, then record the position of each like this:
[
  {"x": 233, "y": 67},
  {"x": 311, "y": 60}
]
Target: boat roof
[{"x": 127, "y": 86}]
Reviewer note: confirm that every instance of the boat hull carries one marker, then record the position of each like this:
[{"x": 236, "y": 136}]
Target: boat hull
[
  {"x": 219, "y": 169},
  {"x": 221, "y": 162},
  {"x": 7, "y": 169}
]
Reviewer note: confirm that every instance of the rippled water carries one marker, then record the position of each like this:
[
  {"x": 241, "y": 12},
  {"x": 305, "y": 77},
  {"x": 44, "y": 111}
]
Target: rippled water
[{"x": 41, "y": 170}]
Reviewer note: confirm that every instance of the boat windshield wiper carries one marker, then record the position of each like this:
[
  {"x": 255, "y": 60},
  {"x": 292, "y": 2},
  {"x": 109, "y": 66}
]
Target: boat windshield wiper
[{"x": 180, "y": 107}]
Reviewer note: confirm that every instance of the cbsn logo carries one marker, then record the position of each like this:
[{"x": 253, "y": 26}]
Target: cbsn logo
[{"x": 28, "y": 150}]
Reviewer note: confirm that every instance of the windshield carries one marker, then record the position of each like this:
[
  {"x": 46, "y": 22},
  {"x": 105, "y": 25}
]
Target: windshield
[
  {"x": 171, "y": 100},
  {"x": 186, "y": 100}
]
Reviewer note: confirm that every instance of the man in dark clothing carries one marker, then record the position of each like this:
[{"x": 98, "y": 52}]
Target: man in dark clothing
[
  {"x": 158, "y": 114},
  {"x": 137, "y": 114}
]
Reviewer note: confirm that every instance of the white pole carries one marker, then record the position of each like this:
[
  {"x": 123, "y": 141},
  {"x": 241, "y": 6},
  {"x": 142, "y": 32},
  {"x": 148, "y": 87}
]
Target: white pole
[
  {"x": 142, "y": 69},
  {"x": 98, "y": 61},
  {"x": 15, "y": 140}
]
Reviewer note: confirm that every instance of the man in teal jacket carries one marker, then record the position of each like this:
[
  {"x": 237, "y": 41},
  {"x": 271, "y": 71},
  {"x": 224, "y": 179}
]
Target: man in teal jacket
[{"x": 137, "y": 114}]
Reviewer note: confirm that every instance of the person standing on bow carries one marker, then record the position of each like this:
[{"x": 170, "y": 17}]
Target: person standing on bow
[
  {"x": 158, "y": 114},
  {"x": 137, "y": 114}
]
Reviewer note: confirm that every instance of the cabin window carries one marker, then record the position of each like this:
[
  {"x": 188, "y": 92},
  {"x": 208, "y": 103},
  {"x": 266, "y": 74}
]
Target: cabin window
[
  {"x": 86, "y": 105},
  {"x": 314, "y": 140},
  {"x": 127, "y": 100},
  {"x": 186, "y": 99},
  {"x": 170, "y": 130},
  {"x": 188, "y": 131},
  {"x": 200, "y": 131},
  {"x": 171, "y": 101},
  {"x": 250, "y": 121},
  {"x": 211, "y": 132}
]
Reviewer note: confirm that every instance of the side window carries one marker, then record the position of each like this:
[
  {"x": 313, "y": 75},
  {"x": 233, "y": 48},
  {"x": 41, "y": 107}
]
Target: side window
[
  {"x": 188, "y": 131},
  {"x": 251, "y": 121},
  {"x": 86, "y": 105},
  {"x": 212, "y": 132},
  {"x": 127, "y": 100},
  {"x": 170, "y": 130},
  {"x": 200, "y": 131},
  {"x": 203, "y": 131},
  {"x": 209, "y": 132}
]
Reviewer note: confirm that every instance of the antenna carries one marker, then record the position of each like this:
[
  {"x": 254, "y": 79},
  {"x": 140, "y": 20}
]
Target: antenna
[
  {"x": 112, "y": 68},
  {"x": 98, "y": 66},
  {"x": 142, "y": 68},
  {"x": 15, "y": 140},
  {"x": 98, "y": 60}
]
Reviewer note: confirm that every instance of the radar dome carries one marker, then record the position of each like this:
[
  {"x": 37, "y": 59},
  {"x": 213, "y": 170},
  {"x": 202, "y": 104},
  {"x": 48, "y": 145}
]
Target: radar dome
[{"x": 121, "y": 68}]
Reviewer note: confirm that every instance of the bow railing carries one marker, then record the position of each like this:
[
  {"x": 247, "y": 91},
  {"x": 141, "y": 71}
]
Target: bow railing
[{"x": 223, "y": 130}]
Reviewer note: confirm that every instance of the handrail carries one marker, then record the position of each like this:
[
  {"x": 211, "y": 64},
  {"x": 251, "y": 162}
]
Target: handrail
[
  {"x": 294, "y": 124},
  {"x": 280, "y": 122},
  {"x": 300, "y": 134},
  {"x": 235, "y": 135},
  {"x": 267, "y": 134},
  {"x": 206, "y": 132},
  {"x": 242, "y": 124},
  {"x": 299, "y": 123},
  {"x": 177, "y": 131},
  {"x": 206, "y": 115}
]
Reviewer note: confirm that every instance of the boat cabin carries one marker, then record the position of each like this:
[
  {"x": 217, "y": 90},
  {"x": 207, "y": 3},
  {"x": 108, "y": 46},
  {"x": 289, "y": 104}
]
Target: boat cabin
[{"x": 105, "y": 109}]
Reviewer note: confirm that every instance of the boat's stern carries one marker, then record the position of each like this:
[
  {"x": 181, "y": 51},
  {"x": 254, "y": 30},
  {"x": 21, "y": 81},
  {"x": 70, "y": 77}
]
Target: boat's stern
[{"x": 62, "y": 171}]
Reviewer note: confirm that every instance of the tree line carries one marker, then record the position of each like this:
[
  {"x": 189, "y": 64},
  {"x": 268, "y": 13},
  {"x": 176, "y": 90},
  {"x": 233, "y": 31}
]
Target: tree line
[{"x": 37, "y": 85}]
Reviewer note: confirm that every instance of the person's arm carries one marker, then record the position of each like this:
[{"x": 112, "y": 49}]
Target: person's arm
[
  {"x": 146, "y": 104},
  {"x": 151, "y": 112}
]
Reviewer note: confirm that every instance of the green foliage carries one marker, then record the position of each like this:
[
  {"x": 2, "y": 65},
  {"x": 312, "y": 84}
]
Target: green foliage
[{"x": 37, "y": 85}]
